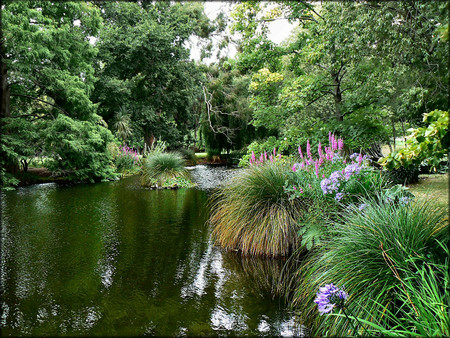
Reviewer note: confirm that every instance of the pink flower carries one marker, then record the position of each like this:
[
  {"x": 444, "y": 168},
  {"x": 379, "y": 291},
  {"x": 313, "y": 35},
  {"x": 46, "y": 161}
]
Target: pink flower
[
  {"x": 340, "y": 144},
  {"x": 253, "y": 157},
  {"x": 308, "y": 149},
  {"x": 319, "y": 148},
  {"x": 317, "y": 168},
  {"x": 301, "y": 190},
  {"x": 294, "y": 187},
  {"x": 279, "y": 156},
  {"x": 274, "y": 152},
  {"x": 271, "y": 158},
  {"x": 294, "y": 168},
  {"x": 323, "y": 175},
  {"x": 265, "y": 155},
  {"x": 345, "y": 161},
  {"x": 300, "y": 152}
]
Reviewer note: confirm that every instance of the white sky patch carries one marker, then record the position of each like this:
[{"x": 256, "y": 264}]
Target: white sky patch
[{"x": 279, "y": 30}]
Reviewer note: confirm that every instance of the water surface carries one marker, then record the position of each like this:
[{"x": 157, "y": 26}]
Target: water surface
[{"x": 115, "y": 259}]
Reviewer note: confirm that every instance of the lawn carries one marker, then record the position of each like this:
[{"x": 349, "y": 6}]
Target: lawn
[{"x": 434, "y": 187}]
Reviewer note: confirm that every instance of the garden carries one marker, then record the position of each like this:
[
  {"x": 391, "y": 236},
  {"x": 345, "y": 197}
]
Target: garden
[{"x": 315, "y": 169}]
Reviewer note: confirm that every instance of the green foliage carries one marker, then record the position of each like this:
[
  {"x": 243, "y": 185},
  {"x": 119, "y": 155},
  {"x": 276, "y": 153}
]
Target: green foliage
[
  {"x": 165, "y": 170},
  {"x": 253, "y": 214},
  {"x": 427, "y": 145},
  {"x": 126, "y": 160},
  {"x": 424, "y": 296},
  {"x": 357, "y": 253},
  {"x": 78, "y": 149},
  {"x": 146, "y": 67}
]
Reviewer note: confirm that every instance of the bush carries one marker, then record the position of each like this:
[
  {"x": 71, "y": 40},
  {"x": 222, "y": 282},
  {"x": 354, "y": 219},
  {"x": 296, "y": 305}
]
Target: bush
[
  {"x": 165, "y": 170},
  {"x": 428, "y": 145},
  {"x": 126, "y": 160},
  {"x": 189, "y": 156},
  {"x": 253, "y": 214},
  {"x": 357, "y": 254}
]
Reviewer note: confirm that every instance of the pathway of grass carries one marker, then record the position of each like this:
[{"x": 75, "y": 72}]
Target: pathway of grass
[{"x": 433, "y": 187}]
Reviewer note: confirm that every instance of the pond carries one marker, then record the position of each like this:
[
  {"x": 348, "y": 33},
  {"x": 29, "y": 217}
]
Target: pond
[{"x": 115, "y": 259}]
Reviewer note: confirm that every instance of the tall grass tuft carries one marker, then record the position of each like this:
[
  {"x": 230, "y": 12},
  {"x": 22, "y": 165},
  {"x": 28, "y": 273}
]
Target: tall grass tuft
[
  {"x": 253, "y": 213},
  {"x": 162, "y": 169},
  {"x": 358, "y": 254}
]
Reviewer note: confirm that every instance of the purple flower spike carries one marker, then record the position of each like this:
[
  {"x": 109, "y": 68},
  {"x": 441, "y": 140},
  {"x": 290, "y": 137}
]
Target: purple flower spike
[
  {"x": 340, "y": 144},
  {"x": 360, "y": 159},
  {"x": 274, "y": 152},
  {"x": 300, "y": 152},
  {"x": 308, "y": 149},
  {"x": 253, "y": 157},
  {"x": 294, "y": 168},
  {"x": 319, "y": 148},
  {"x": 328, "y": 297},
  {"x": 265, "y": 155}
]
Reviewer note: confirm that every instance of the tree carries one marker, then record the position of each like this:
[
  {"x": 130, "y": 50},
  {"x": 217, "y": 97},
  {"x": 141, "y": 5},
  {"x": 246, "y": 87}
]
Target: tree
[
  {"x": 46, "y": 63},
  {"x": 146, "y": 66}
]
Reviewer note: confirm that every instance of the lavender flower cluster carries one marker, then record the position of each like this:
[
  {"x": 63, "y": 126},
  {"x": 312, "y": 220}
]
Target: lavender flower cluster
[{"x": 329, "y": 297}]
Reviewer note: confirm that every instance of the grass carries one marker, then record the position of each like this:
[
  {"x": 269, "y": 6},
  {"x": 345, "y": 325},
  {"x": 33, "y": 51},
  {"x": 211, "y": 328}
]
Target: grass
[
  {"x": 433, "y": 187},
  {"x": 254, "y": 215},
  {"x": 165, "y": 170},
  {"x": 358, "y": 254}
]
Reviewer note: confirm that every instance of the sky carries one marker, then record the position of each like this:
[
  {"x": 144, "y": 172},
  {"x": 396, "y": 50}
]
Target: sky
[{"x": 279, "y": 30}]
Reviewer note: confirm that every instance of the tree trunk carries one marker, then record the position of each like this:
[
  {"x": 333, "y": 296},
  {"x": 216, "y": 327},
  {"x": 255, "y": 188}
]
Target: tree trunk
[
  {"x": 149, "y": 139},
  {"x": 5, "y": 112},
  {"x": 337, "y": 97}
]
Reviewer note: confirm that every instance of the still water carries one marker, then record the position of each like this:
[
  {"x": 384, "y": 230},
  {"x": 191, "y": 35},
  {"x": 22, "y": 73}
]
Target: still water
[{"x": 115, "y": 259}]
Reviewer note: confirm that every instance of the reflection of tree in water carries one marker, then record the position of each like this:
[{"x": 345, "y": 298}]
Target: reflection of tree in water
[{"x": 266, "y": 274}]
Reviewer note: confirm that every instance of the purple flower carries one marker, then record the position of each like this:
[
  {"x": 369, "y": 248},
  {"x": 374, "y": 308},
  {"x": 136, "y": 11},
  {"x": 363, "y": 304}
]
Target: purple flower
[
  {"x": 404, "y": 200},
  {"x": 319, "y": 149},
  {"x": 340, "y": 144},
  {"x": 308, "y": 149},
  {"x": 294, "y": 167},
  {"x": 350, "y": 170},
  {"x": 339, "y": 196},
  {"x": 253, "y": 157},
  {"x": 300, "y": 152},
  {"x": 362, "y": 206},
  {"x": 328, "y": 297}
]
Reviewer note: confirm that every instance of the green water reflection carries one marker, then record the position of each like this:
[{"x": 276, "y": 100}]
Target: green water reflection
[{"x": 115, "y": 259}]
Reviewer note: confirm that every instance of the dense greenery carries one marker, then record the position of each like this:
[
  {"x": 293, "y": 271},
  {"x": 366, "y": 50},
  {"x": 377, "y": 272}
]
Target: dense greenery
[
  {"x": 364, "y": 70},
  {"x": 370, "y": 252}
]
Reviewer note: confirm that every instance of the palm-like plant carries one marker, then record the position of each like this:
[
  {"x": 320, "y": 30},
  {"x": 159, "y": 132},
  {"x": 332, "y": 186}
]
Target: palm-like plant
[
  {"x": 253, "y": 213},
  {"x": 122, "y": 124}
]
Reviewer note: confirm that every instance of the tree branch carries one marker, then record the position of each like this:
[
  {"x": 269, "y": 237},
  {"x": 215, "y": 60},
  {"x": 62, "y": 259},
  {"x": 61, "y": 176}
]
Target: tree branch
[{"x": 37, "y": 99}]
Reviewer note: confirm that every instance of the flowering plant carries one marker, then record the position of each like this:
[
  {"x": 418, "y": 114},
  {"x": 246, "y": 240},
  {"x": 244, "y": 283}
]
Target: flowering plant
[
  {"x": 126, "y": 159},
  {"x": 329, "y": 297}
]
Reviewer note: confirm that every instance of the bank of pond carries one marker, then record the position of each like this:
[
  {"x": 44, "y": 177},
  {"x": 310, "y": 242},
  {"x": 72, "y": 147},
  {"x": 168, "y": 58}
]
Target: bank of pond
[{"x": 320, "y": 244}]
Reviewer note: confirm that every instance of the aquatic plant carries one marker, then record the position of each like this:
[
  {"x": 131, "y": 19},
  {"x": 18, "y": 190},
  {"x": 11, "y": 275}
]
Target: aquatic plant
[
  {"x": 164, "y": 170},
  {"x": 357, "y": 253},
  {"x": 253, "y": 213}
]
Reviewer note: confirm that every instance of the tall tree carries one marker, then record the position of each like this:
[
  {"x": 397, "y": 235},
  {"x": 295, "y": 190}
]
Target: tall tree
[{"x": 146, "y": 66}]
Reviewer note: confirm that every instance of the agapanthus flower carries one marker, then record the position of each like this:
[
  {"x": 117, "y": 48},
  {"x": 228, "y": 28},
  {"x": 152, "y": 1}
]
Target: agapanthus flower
[
  {"x": 329, "y": 297},
  {"x": 404, "y": 200},
  {"x": 362, "y": 206},
  {"x": 339, "y": 196}
]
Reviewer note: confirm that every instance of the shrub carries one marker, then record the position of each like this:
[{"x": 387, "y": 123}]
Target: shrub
[
  {"x": 127, "y": 159},
  {"x": 164, "y": 170},
  {"x": 253, "y": 214},
  {"x": 427, "y": 145},
  {"x": 357, "y": 254}
]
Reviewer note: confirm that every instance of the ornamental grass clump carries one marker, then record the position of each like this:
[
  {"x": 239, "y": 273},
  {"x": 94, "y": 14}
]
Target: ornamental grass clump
[
  {"x": 254, "y": 215},
  {"x": 165, "y": 170},
  {"x": 369, "y": 250}
]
